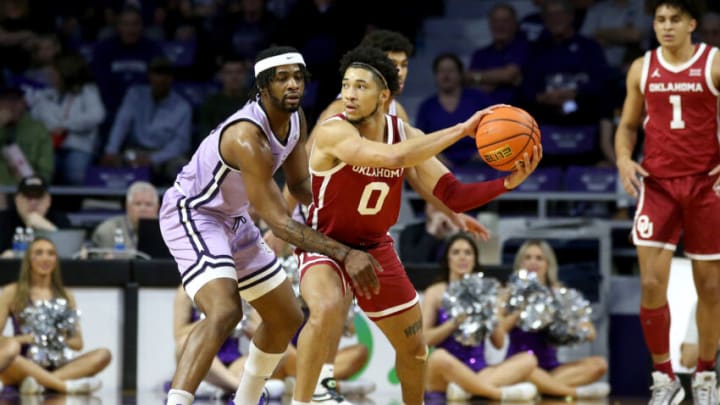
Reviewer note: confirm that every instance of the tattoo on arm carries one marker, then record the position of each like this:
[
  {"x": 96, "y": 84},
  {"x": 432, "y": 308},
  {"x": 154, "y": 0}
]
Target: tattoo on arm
[
  {"x": 414, "y": 328},
  {"x": 311, "y": 240}
]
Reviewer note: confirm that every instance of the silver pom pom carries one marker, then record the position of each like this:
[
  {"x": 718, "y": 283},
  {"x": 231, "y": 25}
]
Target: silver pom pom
[
  {"x": 474, "y": 296},
  {"x": 571, "y": 317},
  {"x": 532, "y": 298},
  {"x": 50, "y": 323}
]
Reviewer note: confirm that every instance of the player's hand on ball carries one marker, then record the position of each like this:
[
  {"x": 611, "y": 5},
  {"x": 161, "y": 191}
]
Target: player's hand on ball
[
  {"x": 470, "y": 126},
  {"x": 630, "y": 172},
  {"x": 524, "y": 167},
  {"x": 361, "y": 267}
]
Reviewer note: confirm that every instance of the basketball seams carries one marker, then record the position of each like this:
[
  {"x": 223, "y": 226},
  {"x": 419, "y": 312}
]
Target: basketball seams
[{"x": 506, "y": 139}]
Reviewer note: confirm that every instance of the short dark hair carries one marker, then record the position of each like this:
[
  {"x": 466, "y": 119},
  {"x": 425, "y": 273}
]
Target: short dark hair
[
  {"x": 448, "y": 55},
  {"x": 503, "y": 6},
  {"x": 388, "y": 41},
  {"x": 74, "y": 71},
  {"x": 694, "y": 8},
  {"x": 376, "y": 59},
  {"x": 262, "y": 81}
]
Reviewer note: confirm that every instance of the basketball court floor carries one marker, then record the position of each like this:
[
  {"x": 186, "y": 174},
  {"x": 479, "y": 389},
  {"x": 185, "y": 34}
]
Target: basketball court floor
[{"x": 157, "y": 398}]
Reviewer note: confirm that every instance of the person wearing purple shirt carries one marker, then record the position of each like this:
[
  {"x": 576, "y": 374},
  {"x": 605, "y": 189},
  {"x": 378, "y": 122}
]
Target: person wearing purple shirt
[
  {"x": 122, "y": 61},
  {"x": 462, "y": 370},
  {"x": 565, "y": 79},
  {"x": 497, "y": 68},
  {"x": 451, "y": 104}
]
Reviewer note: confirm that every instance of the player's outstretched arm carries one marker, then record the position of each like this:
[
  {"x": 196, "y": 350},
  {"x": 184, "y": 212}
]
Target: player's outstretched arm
[
  {"x": 432, "y": 175},
  {"x": 244, "y": 147},
  {"x": 626, "y": 134},
  {"x": 340, "y": 140}
]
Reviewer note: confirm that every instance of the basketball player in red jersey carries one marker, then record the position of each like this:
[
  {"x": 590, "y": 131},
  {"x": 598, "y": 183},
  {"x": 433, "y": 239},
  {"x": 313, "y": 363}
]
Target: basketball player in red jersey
[
  {"x": 677, "y": 184},
  {"x": 358, "y": 162},
  {"x": 396, "y": 47}
]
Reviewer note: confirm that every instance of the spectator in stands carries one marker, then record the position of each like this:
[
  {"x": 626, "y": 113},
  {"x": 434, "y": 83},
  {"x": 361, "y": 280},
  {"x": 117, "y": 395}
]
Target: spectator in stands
[
  {"x": 26, "y": 144},
  {"x": 44, "y": 51},
  {"x": 40, "y": 281},
  {"x": 452, "y": 103},
  {"x": 497, "y": 68},
  {"x": 228, "y": 365},
  {"x": 152, "y": 127},
  {"x": 245, "y": 27},
  {"x": 423, "y": 242},
  {"x": 234, "y": 93},
  {"x": 533, "y": 25},
  {"x": 566, "y": 74},
  {"x": 577, "y": 379},
  {"x": 72, "y": 110},
  {"x": 617, "y": 25},
  {"x": 32, "y": 209},
  {"x": 122, "y": 60},
  {"x": 460, "y": 370},
  {"x": 18, "y": 32},
  {"x": 709, "y": 31},
  {"x": 141, "y": 202},
  {"x": 689, "y": 347}
]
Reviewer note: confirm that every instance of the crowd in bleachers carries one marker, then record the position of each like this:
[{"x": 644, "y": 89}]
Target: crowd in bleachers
[{"x": 95, "y": 92}]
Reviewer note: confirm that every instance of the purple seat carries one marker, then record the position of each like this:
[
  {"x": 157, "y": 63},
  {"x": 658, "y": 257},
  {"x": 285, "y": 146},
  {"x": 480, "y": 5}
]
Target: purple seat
[
  {"x": 568, "y": 140},
  {"x": 591, "y": 179},
  {"x": 543, "y": 179},
  {"x": 473, "y": 173}
]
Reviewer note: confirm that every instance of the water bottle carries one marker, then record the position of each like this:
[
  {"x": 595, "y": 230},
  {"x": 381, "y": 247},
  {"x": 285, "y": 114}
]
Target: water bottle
[
  {"x": 18, "y": 242},
  {"x": 29, "y": 236},
  {"x": 119, "y": 239}
]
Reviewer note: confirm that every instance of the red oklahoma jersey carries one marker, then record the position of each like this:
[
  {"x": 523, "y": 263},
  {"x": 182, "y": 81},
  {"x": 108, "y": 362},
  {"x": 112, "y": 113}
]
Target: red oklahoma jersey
[
  {"x": 358, "y": 205},
  {"x": 681, "y": 127}
]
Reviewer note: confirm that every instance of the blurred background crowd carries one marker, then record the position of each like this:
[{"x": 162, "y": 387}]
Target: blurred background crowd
[{"x": 103, "y": 94}]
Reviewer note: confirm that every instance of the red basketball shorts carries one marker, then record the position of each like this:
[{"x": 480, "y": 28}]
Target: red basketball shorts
[{"x": 668, "y": 207}]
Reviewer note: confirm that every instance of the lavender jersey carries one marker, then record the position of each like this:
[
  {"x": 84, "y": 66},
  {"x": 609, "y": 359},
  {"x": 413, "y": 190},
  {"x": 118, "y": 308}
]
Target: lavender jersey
[
  {"x": 472, "y": 356},
  {"x": 217, "y": 187},
  {"x": 204, "y": 217}
]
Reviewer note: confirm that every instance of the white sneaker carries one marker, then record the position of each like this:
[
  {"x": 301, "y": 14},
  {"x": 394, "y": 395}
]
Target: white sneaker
[
  {"x": 83, "y": 386},
  {"x": 358, "y": 387},
  {"x": 704, "y": 388},
  {"x": 455, "y": 393},
  {"x": 275, "y": 388},
  {"x": 521, "y": 392},
  {"x": 665, "y": 391},
  {"x": 329, "y": 394},
  {"x": 599, "y": 389},
  {"x": 207, "y": 390},
  {"x": 30, "y": 386}
]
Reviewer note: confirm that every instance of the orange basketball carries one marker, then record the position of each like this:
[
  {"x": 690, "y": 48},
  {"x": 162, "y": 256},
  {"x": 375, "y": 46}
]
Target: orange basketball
[{"x": 504, "y": 135}]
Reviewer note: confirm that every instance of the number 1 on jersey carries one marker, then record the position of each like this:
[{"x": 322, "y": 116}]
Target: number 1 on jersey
[{"x": 677, "y": 121}]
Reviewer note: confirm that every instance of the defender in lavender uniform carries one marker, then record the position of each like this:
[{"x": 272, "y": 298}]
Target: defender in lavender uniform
[{"x": 206, "y": 226}]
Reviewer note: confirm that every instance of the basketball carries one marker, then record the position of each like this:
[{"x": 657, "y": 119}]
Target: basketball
[{"x": 504, "y": 135}]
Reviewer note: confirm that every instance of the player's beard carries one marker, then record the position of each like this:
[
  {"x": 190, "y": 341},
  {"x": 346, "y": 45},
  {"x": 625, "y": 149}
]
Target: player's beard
[
  {"x": 280, "y": 103},
  {"x": 358, "y": 121}
]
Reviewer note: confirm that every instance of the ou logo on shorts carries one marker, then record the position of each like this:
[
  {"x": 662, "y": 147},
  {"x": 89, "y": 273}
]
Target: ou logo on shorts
[{"x": 644, "y": 226}]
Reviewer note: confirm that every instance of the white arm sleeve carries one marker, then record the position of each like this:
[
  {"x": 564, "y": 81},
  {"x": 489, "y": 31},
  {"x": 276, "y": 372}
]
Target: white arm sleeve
[{"x": 494, "y": 355}]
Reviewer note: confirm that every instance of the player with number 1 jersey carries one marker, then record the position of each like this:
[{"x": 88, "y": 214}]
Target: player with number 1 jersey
[{"x": 677, "y": 185}]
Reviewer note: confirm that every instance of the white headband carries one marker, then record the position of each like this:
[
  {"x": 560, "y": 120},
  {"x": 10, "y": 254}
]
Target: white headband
[{"x": 278, "y": 60}]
